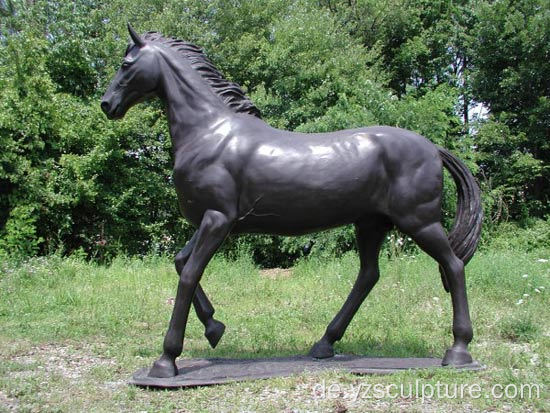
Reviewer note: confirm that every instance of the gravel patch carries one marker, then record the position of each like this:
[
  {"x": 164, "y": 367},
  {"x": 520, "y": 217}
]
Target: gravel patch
[
  {"x": 68, "y": 361},
  {"x": 7, "y": 403},
  {"x": 274, "y": 273}
]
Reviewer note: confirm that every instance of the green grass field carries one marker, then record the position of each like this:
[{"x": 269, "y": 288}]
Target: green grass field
[{"x": 72, "y": 333}]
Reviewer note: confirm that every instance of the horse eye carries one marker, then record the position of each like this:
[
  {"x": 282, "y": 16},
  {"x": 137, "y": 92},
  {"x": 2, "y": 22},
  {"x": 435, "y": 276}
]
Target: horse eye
[{"x": 125, "y": 63}]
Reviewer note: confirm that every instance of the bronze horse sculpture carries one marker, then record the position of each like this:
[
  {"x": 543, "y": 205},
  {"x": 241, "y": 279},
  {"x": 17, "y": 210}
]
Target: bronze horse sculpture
[{"x": 234, "y": 173}]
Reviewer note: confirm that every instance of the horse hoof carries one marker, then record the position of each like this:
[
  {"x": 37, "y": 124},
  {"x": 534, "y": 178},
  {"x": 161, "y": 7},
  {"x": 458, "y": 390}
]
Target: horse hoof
[
  {"x": 163, "y": 368},
  {"x": 456, "y": 357},
  {"x": 322, "y": 350},
  {"x": 214, "y": 332}
]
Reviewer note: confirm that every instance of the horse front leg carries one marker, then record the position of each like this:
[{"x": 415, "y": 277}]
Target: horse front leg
[
  {"x": 213, "y": 329},
  {"x": 214, "y": 228}
]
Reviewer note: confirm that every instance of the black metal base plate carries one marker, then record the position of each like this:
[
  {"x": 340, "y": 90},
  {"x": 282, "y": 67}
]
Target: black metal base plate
[{"x": 204, "y": 372}]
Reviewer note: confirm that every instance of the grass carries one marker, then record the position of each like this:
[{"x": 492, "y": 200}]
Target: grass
[{"x": 72, "y": 333}]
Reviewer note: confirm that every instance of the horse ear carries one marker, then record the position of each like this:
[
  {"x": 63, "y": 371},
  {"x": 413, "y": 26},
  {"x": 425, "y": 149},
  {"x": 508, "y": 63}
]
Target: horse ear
[{"x": 135, "y": 37}]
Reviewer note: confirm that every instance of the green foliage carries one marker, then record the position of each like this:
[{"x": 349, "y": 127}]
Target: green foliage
[
  {"x": 421, "y": 42},
  {"x": 531, "y": 235},
  {"x": 509, "y": 171},
  {"x": 510, "y": 48},
  {"x": 102, "y": 188},
  {"x": 19, "y": 239}
]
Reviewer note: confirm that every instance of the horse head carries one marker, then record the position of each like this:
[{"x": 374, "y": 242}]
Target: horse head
[{"x": 136, "y": 80}]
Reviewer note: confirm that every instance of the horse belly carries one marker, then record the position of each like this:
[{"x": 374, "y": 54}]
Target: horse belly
[
  {"x": 297, "y": 221},
  {"x": 294, "y": 199}
]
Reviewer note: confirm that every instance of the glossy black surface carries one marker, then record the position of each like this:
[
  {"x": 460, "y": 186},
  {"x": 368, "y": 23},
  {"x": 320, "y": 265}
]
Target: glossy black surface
[{"x": 234, "y": 173}]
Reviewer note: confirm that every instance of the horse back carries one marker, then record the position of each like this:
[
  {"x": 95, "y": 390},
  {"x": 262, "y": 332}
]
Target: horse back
[{"x": 295, "y": 183}]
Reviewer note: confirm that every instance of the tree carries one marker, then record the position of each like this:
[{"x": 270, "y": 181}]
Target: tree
[
  {"x": 70, "y": 179},
  {"x": 510, "y": 51}
]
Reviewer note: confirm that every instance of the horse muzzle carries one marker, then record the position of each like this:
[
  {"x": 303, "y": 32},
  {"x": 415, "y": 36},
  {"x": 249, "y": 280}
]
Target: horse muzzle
[
  {"x": 111, "y": 111},
  {"x": 112, "y": 106}
]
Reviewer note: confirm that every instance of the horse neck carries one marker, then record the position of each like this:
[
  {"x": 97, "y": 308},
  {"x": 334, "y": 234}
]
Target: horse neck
[{"x": 192, "y": 107}]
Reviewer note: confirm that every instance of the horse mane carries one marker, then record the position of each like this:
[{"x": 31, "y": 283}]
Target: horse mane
[{"x": 230, "y": 92}]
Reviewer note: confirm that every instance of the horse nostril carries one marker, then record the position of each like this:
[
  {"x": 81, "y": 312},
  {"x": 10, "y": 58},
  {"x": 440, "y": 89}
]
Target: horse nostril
[{"x": 105, "y": 106}]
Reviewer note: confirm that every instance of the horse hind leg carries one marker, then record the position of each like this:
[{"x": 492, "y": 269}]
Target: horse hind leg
[
  {"x": 370, "y": 236},
  {"x": 213, "y": 329},
  {"x": 434, "y": 241}
]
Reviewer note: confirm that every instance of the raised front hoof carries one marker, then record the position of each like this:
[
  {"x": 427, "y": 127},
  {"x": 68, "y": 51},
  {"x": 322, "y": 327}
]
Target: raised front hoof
[
  {"x": 214, "y": 332},
  {"x": 163, "y": 368},
  {"x": 322, "y": 350},
  {"x": 455, "y": 357}
]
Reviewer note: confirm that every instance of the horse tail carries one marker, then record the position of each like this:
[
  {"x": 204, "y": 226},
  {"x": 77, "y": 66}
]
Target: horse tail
[{"x": 466, "y": 231}]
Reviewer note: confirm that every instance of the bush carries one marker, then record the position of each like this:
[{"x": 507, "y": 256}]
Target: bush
[
  {"x": 19, "y": 238},
  {"x": 533, "y": 234}
]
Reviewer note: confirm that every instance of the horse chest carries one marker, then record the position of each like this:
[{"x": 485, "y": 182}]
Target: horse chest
[
  {"x": 198, "y": 189},
  {"x": 191, "y": 203}
]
